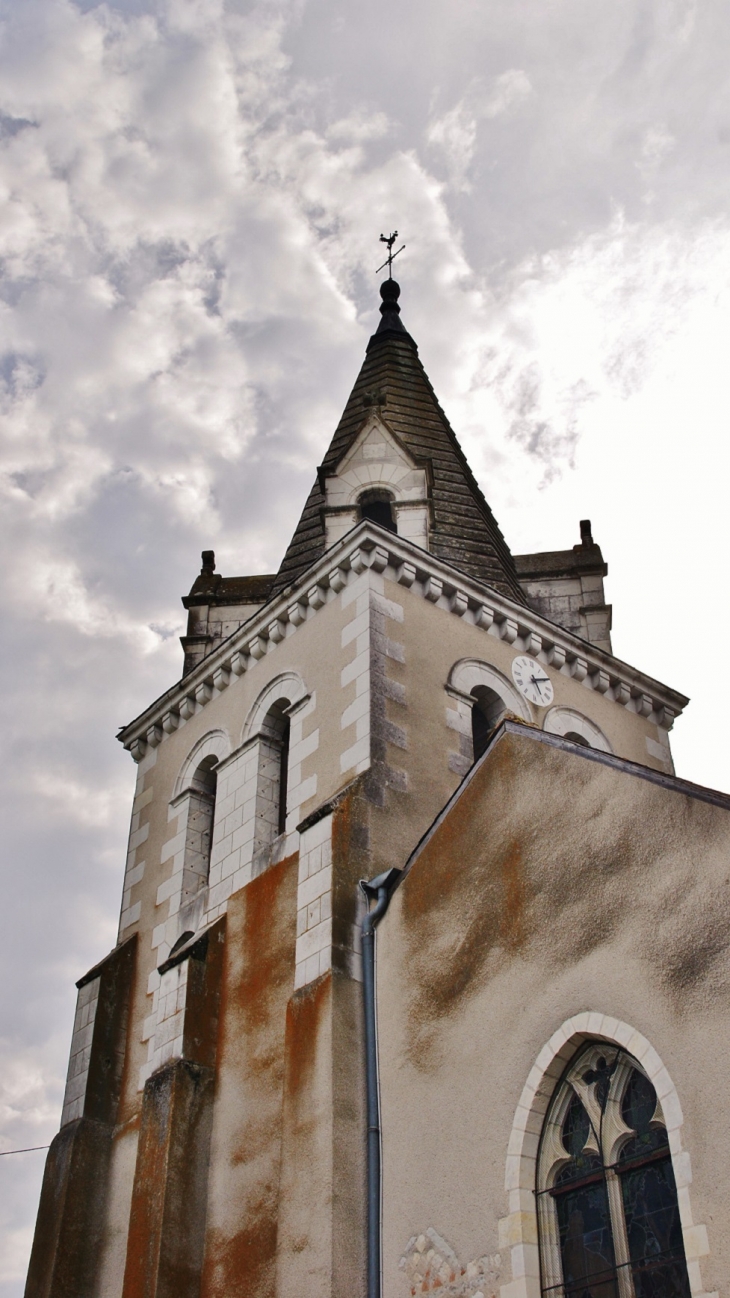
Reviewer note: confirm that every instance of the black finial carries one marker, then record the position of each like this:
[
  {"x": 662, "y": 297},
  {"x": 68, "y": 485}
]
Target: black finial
[
  {"x": 390, "y": 324},
  {"x": 208, "y": 557},
  {"x": 586, "y": 534},
  {"x": 389, "y": 240},
  {"x": 389, "y": 310},
  {"x": 389, "y": 292}
]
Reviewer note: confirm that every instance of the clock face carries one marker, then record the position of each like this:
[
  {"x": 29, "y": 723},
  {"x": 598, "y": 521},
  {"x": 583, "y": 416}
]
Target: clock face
[{"x": 532, "y": 681}]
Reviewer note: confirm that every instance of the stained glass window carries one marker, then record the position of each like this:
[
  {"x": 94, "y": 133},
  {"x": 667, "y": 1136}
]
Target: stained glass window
[
  {"x": 649, "y": 1196},
  {"x": 608, "y": 1212}
]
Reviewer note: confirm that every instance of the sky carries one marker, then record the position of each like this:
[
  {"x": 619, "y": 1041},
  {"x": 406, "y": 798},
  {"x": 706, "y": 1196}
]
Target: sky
[{"x": 191, "y": 198}]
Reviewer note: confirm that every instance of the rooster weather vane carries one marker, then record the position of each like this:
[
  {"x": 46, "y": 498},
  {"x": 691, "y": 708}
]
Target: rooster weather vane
[{"x": 389, "y": 239}]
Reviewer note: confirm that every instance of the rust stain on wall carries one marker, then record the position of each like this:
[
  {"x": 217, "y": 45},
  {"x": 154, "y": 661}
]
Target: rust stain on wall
[
  {"x": 341, "y": 832},
  {"x": 167, "y": 1218},
  {"x": 305, "y": 1012},
  {"x": 268, "y": 962},
  {"x": 245, "y": 1265},
  {"x": 241, "y": 1242}
]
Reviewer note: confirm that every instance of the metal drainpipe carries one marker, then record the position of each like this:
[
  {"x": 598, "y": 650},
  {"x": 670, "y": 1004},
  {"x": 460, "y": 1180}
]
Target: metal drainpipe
[{"x": 380, "y": 889}]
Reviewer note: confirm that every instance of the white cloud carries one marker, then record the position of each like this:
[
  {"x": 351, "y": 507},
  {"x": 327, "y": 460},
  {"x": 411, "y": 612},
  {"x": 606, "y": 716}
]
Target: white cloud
[
  {"x": 510, "y": 89},
  {"x": 455, "y": 132},
  {"x": 360, "y": 125}
]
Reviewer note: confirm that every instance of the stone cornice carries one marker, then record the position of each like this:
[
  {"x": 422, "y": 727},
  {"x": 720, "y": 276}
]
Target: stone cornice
[{"x": 368, "y": 546}]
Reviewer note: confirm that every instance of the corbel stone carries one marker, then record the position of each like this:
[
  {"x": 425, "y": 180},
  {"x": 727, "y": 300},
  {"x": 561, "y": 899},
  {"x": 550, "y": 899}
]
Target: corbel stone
[
  {"x": 508, "y": 630},
  {"x": 406, "y": 574},
  {"x": 170, "y": 721},
  {"x": 644, "y": 705},
  {"x": 316, "y": 597},
  {"x": 338, "y": 580},
  {"x": 433, "y": 589},
  {"x": 277, "y": 631},
  {"x": 579, "y": 669},
  {"x": 221, "y": 678},
  {"x": 138, "y": 748},
  {"x": 484, "y": 616},
  {"x": 154, "y": 736},
  {"x": 257, "y": 647},
  {"x": 621, "y": 693},
  {"x": 556, "y": 656},
  {"x": 238, "y": 663},
  {"x": 187, "y": 707},
  {"x": 459, "y": 603},
  {"x": 378, "y": 559},
  {"x": 297, "y": 614},
  {"x": 666, "y": 717},
  {"x": 533, "y": 642},
  {"x": 358, "y": 561},
  {"x": 203, "y": 693},
  {"x": 601, "y": 681}
]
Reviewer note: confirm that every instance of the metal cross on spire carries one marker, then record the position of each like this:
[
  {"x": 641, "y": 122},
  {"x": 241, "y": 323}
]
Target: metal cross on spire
[{"x": 389, "y": 240}]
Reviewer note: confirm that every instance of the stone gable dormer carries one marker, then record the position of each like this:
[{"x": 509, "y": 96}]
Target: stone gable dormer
[{"x": 377, "y": 460}]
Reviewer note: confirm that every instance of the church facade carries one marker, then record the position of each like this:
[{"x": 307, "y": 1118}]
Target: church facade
[{"x": 537, "y": 1106}]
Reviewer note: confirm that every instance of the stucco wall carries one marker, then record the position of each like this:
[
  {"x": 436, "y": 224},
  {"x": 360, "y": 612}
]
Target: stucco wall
[{"x": 554, "y": 887}]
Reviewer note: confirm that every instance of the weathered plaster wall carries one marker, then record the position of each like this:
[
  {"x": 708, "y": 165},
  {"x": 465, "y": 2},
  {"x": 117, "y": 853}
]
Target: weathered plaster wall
[
  {"x": 243, "y": 1192},
  {"x": 121, "y": 1181},
  {"x": 554, "y": 886}
]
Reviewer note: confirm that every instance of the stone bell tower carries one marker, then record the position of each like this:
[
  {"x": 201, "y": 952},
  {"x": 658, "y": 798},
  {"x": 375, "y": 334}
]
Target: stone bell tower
[{"x": 212, "y": 1142}]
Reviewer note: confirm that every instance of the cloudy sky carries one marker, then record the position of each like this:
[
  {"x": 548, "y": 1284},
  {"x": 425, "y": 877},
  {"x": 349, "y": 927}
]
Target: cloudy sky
[{"x": 191, "y": 197}]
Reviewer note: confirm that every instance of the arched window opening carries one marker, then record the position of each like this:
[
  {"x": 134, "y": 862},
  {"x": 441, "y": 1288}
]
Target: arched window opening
[
  {"x": 283, "y": 775},
  {"x": 575, "y": 738},
  {"x": 271, "y": 799},
  {"x": 579, "y": 729},
  {"x": 487, "y": 712},
  {"x": 377, "y": 505},
  {"x": 608, "y": 1216},
  {"x": 201, "y": 815}
]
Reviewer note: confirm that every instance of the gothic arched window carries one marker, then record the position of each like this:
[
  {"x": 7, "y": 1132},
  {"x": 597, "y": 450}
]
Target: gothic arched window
[
  {"x": 377, "y": 505},
  {"x": 608, "y": 1215}
]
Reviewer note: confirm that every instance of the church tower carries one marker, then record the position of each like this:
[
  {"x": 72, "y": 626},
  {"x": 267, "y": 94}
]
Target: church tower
[{"x": 404, "y": 700}]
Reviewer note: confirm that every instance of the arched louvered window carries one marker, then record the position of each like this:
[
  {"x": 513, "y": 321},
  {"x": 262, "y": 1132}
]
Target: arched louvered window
[
  {"x": 608, "y": 1216},
  {"x": 273, "y": 775},
  {"x": 201, "y": 817},
  {"x": 377, "y": 505},
  {"x": 486, "y": 713}
]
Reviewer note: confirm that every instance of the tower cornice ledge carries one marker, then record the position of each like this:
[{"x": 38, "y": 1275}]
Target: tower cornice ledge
[{"x": 368, "y": 546}]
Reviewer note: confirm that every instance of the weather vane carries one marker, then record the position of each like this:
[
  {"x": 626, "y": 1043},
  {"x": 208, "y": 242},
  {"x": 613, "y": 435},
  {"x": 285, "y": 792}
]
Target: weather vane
[{"x": 389, "y": 240}]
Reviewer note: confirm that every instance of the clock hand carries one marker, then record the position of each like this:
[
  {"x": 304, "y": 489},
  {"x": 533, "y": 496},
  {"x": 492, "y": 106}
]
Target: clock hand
[{"x": 536, "y": 679}]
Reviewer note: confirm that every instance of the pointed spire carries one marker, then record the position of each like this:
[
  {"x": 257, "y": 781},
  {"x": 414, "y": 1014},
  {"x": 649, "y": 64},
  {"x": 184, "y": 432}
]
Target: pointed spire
[{"x": 463, "y": 531}]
